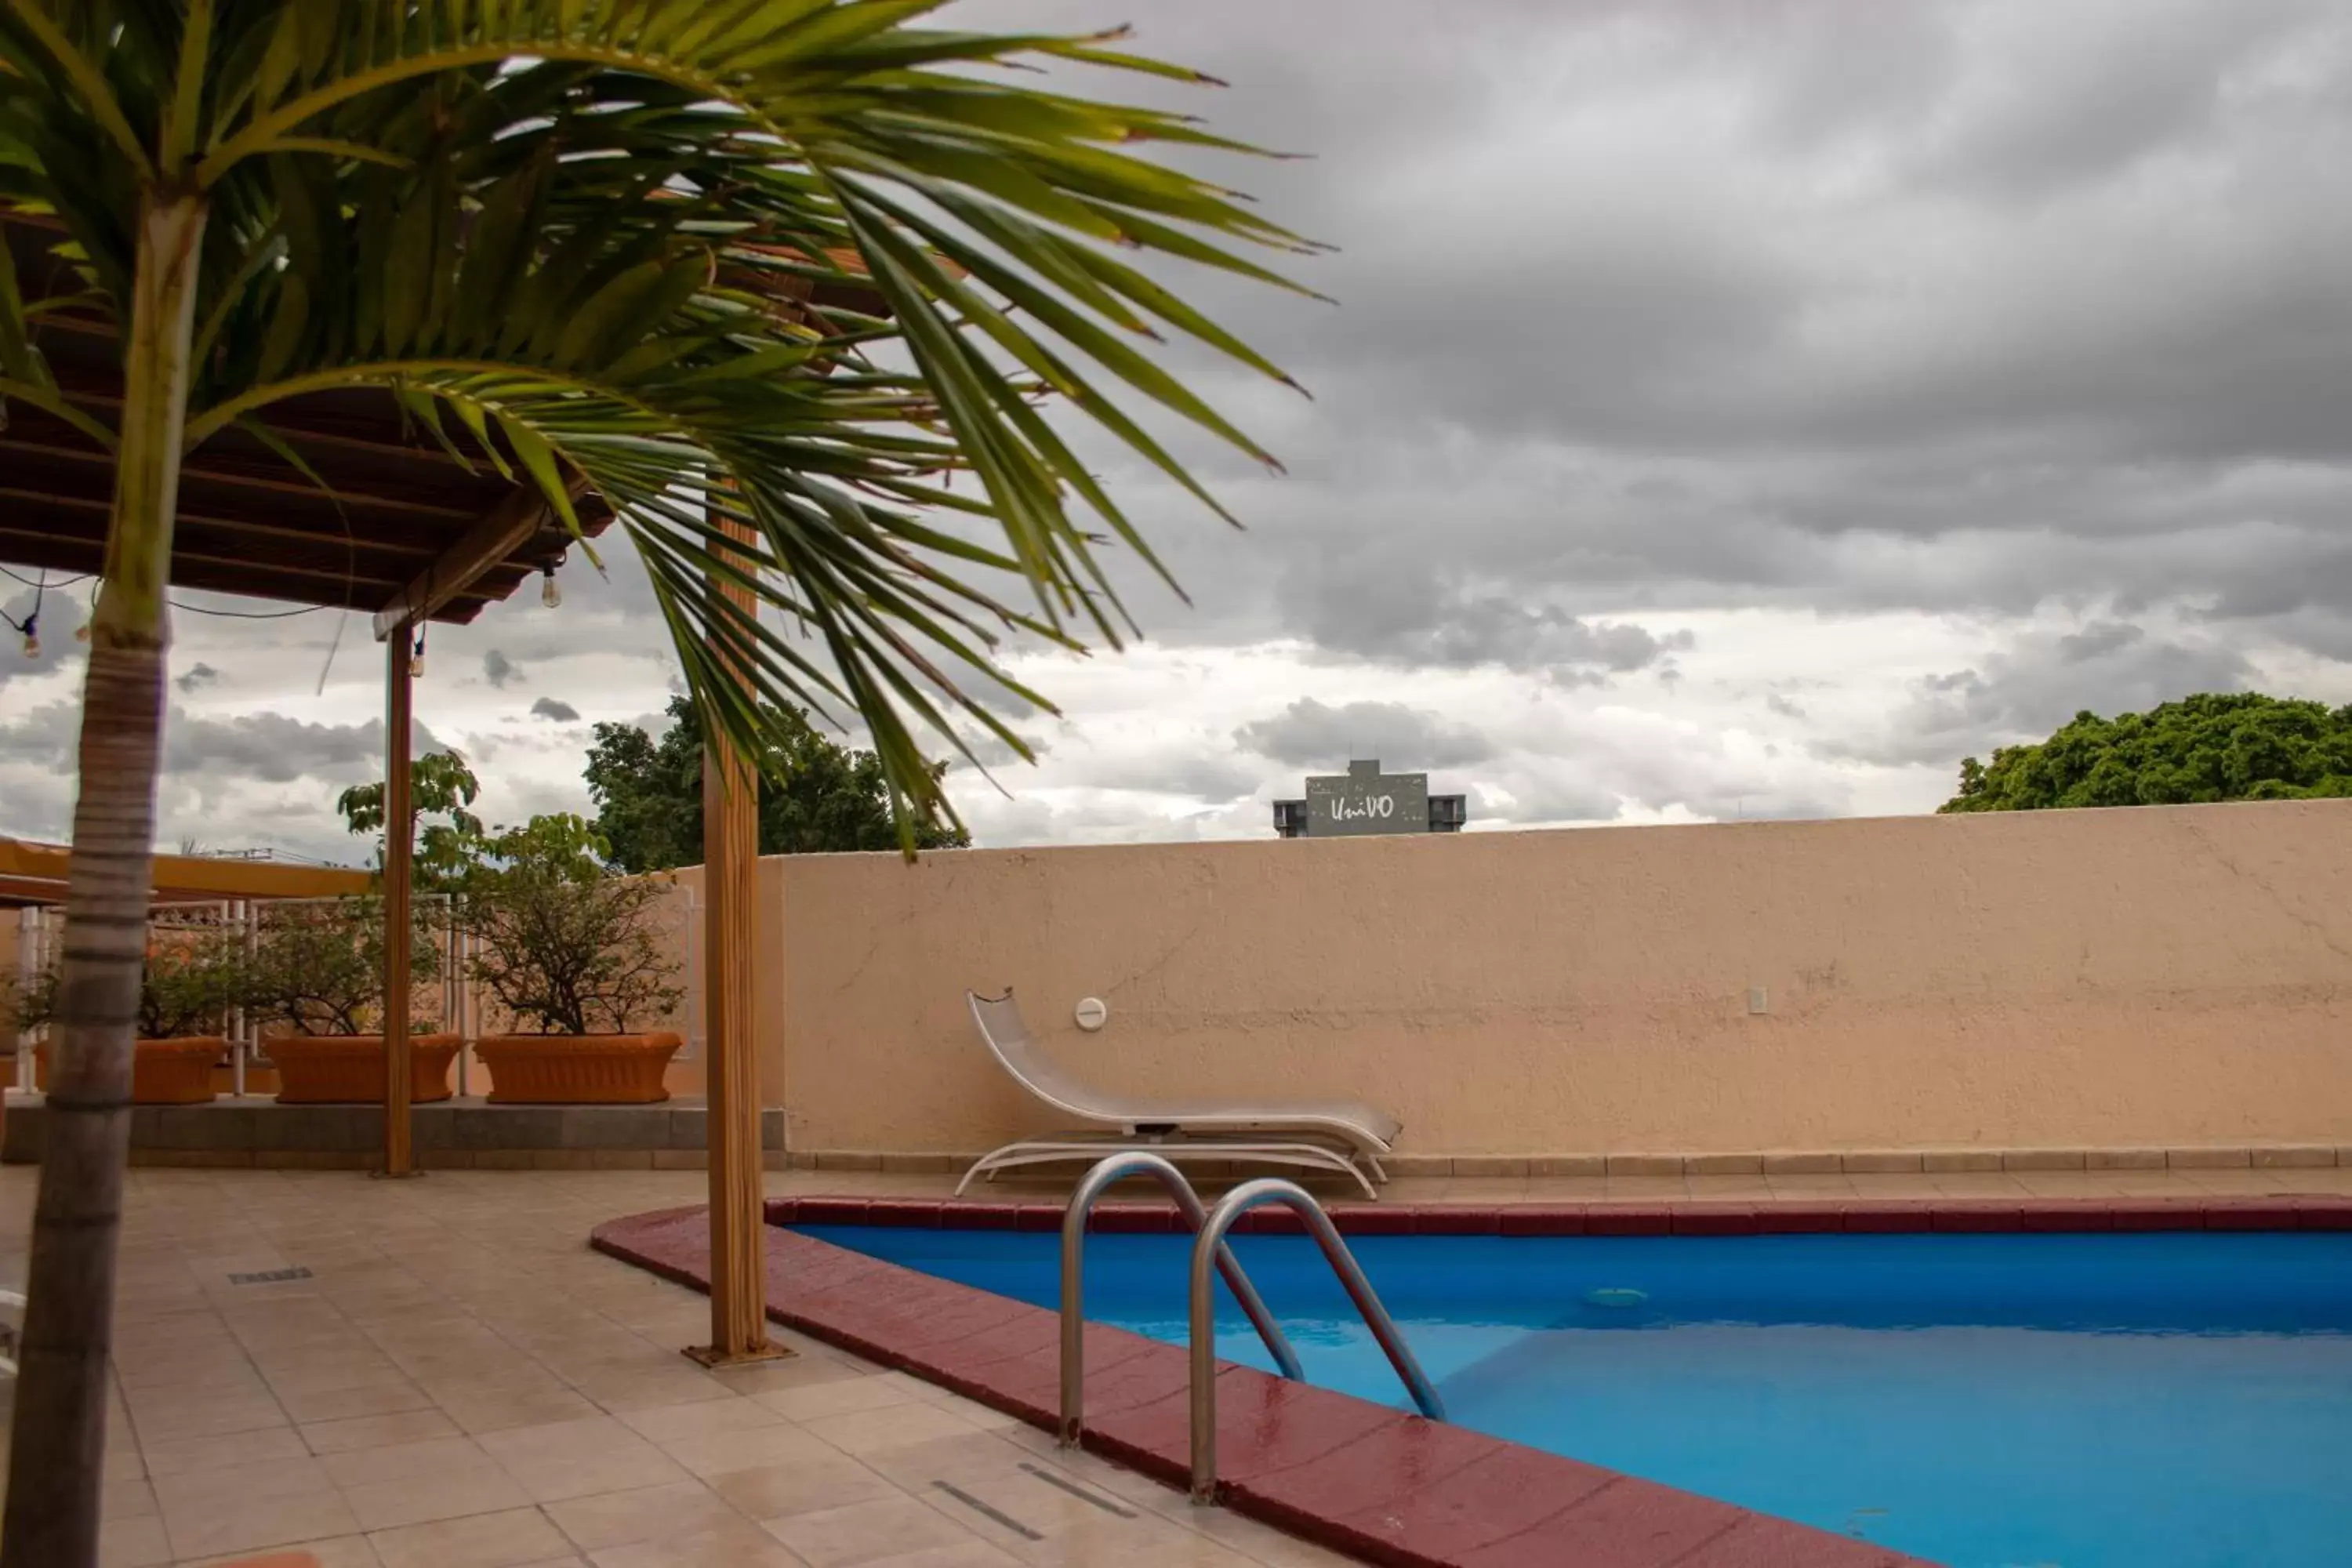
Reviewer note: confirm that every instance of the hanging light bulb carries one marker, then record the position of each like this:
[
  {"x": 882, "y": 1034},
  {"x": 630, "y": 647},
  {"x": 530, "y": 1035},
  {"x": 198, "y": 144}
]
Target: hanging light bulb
[
  {"x": 417, "y": 660},
  {"x": 550, "y": 593},
  {"x": 32, "y": 636}
]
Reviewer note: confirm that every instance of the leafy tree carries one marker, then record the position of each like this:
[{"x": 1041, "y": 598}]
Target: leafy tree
[
  {"x": 317, "y": 968},
  {"x": 588, "y": 231},
  {"x": 816, "y": 794},
  {"x": 2214, "y": 746},
  {"x": 185, "y": 989},
  {"x": 440, "y": 784},
  {"x": 566, "y": 945}
]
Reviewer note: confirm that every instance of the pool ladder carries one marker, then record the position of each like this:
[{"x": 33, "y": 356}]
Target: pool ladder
[{"x": 1210, "y": 1254}]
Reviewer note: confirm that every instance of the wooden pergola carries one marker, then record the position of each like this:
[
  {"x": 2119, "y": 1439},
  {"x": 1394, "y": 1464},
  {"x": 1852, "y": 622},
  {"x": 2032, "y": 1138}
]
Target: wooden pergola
[{"x": 411, "y": 536}]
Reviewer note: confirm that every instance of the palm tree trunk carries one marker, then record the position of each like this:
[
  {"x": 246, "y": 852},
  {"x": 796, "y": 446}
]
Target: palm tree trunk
[{"x": 57, "y": 1446}]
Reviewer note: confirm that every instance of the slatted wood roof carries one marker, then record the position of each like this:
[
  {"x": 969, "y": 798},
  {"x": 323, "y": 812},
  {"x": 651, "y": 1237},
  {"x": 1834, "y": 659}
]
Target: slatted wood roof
[{"x": 249, "y": 521}]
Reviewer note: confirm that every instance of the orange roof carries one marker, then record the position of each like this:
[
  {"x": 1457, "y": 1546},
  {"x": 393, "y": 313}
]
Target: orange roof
[{"x": 36, "y": 873}]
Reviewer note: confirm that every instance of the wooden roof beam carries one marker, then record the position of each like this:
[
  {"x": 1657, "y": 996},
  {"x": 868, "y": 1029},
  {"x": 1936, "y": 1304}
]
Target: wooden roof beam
[{"x": 503, "y": 530}]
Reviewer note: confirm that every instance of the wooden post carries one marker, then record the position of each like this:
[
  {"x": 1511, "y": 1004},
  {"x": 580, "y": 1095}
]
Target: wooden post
[
  {"x": 730, "y": 851},
  {"x": 398, "y": 1160}
]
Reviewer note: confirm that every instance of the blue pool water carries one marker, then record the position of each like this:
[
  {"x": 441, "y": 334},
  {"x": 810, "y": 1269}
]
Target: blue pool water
[{"x": 2165, "y": 1401}]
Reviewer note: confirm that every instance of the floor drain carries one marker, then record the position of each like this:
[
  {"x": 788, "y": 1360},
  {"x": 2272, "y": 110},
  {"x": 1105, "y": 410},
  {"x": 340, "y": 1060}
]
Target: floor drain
[
  {"x": 1076, "y": 1490},
  {"x": 270, "y": 1276},
  {"x": 1006, "y": 1520}
]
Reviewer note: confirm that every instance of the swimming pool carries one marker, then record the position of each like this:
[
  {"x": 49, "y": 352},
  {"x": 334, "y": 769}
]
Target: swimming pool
[{"x": 2089, "y": 1401}]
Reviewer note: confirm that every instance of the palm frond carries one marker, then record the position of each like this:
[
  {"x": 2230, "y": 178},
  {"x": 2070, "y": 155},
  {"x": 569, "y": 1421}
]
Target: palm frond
[{"x": 654, "y": 248}]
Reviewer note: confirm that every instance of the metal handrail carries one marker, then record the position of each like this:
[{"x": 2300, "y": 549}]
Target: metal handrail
[
  {"x": 1207, "y": 1249},
  {"x": 1091, "y": 1187}
]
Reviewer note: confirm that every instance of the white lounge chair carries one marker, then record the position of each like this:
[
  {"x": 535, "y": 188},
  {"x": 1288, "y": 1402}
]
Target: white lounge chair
[{"x": 1341, "y": 1138}]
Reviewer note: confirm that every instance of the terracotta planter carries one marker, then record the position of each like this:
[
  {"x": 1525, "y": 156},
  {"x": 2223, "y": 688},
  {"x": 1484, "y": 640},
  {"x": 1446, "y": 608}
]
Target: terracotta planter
[
  {"x": 162, "y": 1072},
  {"x": 347, "y": 1070},
  {"x": 577, "y": 1069}
]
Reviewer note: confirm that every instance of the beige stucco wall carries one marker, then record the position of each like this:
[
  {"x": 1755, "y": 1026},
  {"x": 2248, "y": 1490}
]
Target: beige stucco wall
[{"x": 2149, "y": 978}]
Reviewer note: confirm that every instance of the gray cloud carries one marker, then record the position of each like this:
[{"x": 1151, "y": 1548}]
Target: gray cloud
[
  {"x": 1311, "y": 735},
  {"x": 551, "y": 708},
  {"x": 2028, "y": 689},
  {"x": 499, "y": 670},
  {"x": 199, "y": 674}
]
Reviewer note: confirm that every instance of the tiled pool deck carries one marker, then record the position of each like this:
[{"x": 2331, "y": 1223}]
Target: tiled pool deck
[{"x": 459, "y": 1382}]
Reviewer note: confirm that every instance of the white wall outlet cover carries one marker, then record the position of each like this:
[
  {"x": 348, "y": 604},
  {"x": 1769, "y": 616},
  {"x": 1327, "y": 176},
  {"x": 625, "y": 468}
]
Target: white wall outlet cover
[
  {"x": 1758, "y": 1001},
  {"x": 1092, "y": 1014}
]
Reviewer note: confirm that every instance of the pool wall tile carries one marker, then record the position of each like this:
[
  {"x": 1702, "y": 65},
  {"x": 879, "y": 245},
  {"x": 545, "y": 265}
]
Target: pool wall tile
[
  {"x": 1542, "y": 1219},
  {"x": 2295, "y": 1157},
  {"x": 1882, "y": 1163},
  {"x": 2066, "y": 1215},
  {"x": 2044, "y": 1159},
  {"x": 2208, "y": 1159},
  {"x": 2322, "y": 1214},
  {"x": 1456, "y": 1219},
  {"x": 1979, "y": 1215},
  {"x": 1628, "y": 1219},
  {"x": 1954, "y": 1161},
  {"x": 1806, "y": 1218},
  {"x": 954, "y": 1216},
  {"x": 1804, "y": 1165},
  {"x": 1715, "y": 1219},
  {"x": 1888, "y": 1218},
  {"x": 2123, "y": 1160},
  {"x": 1135, "y": 1219},
  {"x": 2251, "y": 1214}
]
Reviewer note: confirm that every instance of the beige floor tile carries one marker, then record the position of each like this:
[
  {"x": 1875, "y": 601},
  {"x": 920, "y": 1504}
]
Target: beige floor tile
[
  {"x": 741, "y": 1545},
  {"x": 861, "y": 1533},
  {"x": 123, "y": 1497},
  {"x": 426, "y": 1457},
  {"x": 133, "y": 1542},
  {"x": 210, "y": 1513},
  {"x": 841, "y": 1398},
  {"x": 186, "y": 1456},
  {"x": 862, "y": 1431},
  {"x": 344, "y": 1403},
  {"x": 649, "y": 1513},
  {"x": 422, "y": 1498},
  {"x": 802, "y": 1485},
  {"x": 342, "y": 1551},
  {"x": 664, "y": 1422},
  {"x": 195, "y": 1416},
  {"x": 578, "y": 1459},
  {"x": 360, "y": 1432},
  {"x": 479, "y": 1409},
  {"x": 965, "y": 1554},
  {"x": 718, "y": 1453},
  {"x": 484, "y": 1541}
]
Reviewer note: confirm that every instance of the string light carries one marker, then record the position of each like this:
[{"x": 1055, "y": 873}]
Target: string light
[
  {"x": 417, "y": 658},
  {"x": 550, "y": 593},
  {"x": 33, "y": 635}
]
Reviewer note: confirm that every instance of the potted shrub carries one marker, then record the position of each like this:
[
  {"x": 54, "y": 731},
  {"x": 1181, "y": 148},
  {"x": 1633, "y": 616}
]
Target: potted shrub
[
  {"x": 185, "y": 990},
  {"x": 316, "y": 977},
  {"x": 572, "y": 953}
]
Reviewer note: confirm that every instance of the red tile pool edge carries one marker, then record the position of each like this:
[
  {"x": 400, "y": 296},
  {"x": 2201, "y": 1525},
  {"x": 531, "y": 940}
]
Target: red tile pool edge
[{"x": 1359, "y": 1477}]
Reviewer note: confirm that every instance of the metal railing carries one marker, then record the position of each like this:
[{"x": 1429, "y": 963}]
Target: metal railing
[
  {"x": 1074, "y": 1245},
  {"x": 1210, "y": 1255},
  {"x": 1202, "y": 1327}
]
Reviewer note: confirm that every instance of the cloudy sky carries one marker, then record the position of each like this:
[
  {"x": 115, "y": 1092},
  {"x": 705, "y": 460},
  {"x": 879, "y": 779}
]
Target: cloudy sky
[{"x": 1727, "y": 411}]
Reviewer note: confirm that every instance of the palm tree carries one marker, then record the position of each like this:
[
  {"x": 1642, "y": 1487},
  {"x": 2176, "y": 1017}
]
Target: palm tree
[{"x": 575, "y": 228}]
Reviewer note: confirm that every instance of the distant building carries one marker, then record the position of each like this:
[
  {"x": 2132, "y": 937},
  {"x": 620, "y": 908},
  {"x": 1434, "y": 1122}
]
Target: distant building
[{"x": 1364, "y": 800}]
